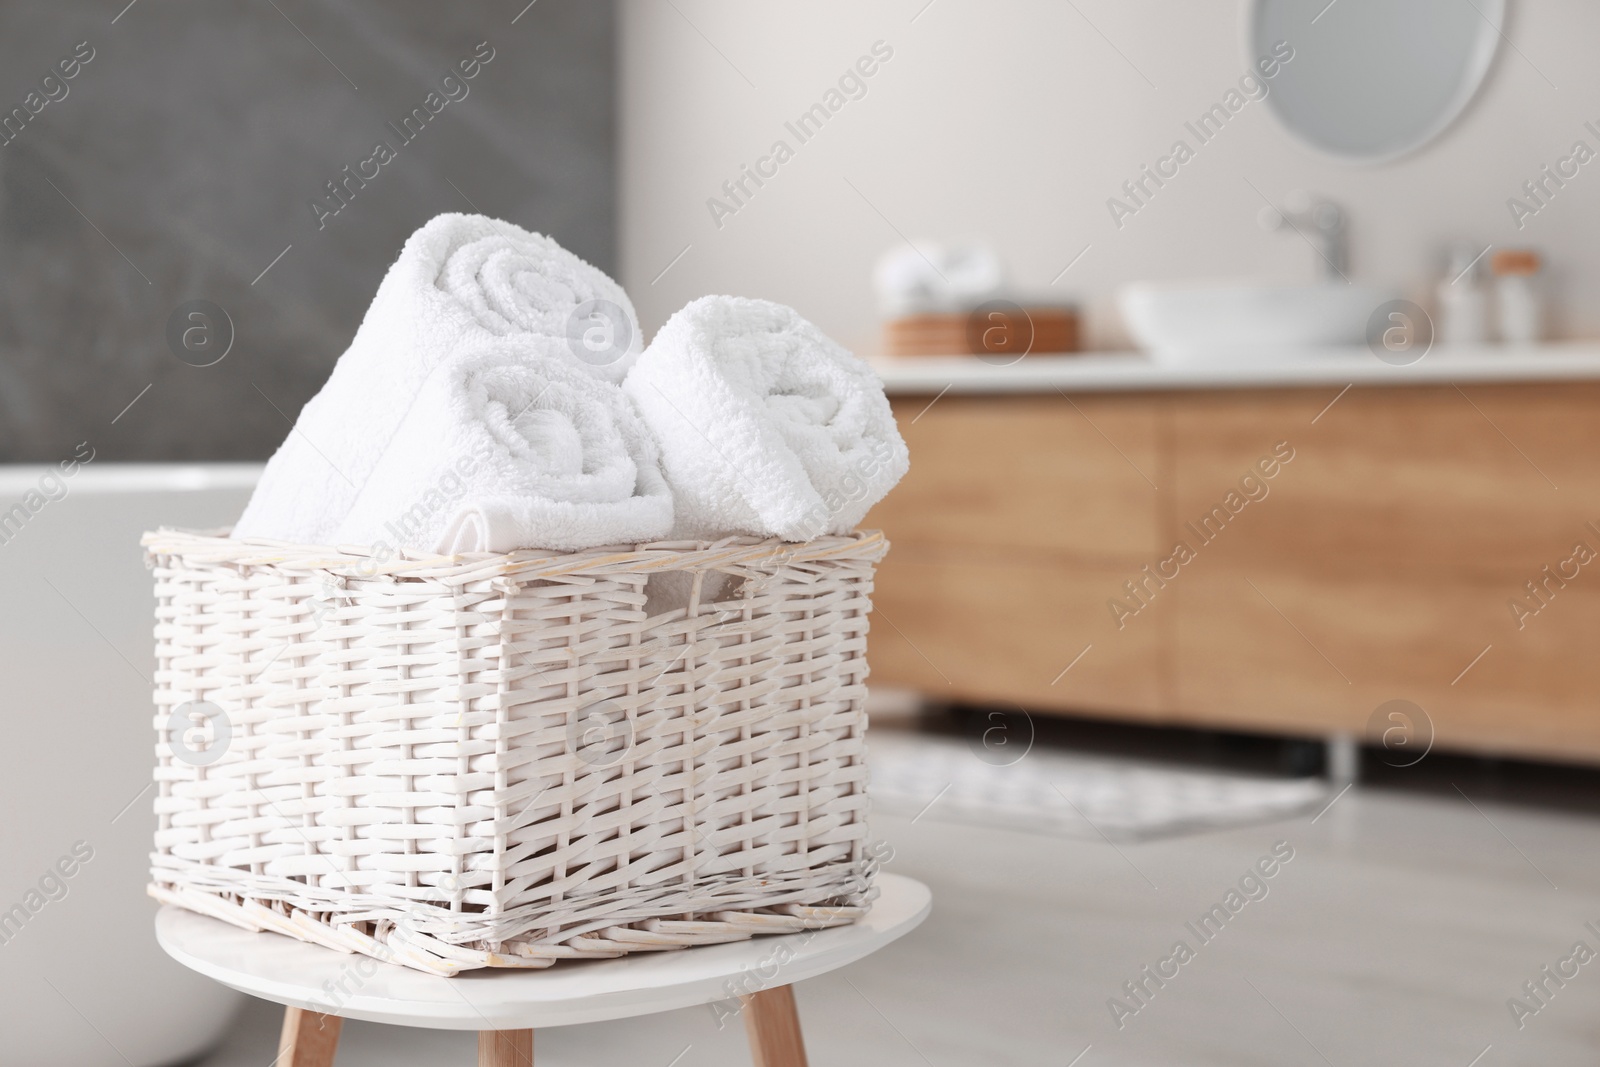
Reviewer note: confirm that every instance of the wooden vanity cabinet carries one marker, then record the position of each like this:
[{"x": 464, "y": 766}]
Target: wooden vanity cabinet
[
  {"x": 1018, "y": 514},
  {"x": 1381, "y": 562}
]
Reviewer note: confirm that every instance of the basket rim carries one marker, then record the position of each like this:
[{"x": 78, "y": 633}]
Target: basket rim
[{"x": 216, "y": 547}]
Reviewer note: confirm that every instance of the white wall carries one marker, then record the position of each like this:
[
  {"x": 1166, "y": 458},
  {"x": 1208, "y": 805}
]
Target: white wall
[{"x": 1014, "y": 120}]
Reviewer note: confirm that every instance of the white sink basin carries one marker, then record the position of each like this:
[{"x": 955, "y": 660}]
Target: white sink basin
[{"x": 1183, "y": 322}]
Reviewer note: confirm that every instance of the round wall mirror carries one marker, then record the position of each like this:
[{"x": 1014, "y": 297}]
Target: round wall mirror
[{"x": 1369, "y": 80}]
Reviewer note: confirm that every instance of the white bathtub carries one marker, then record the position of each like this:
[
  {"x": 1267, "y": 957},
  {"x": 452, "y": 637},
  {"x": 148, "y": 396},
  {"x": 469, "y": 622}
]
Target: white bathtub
[{"x": 82, "y": 982}]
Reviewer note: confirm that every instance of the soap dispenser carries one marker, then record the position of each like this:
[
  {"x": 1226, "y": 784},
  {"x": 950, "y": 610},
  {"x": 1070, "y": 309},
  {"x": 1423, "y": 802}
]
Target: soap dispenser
[
  {"x": 1463, "y": 300},
  {"x": 1518, "y": 308}
]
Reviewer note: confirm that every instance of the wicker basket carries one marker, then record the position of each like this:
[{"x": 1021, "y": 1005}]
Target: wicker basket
[{"x": 506, "y": 760}]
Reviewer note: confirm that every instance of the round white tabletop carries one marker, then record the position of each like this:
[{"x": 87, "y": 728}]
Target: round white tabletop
[{"x": 281, "y": 969}]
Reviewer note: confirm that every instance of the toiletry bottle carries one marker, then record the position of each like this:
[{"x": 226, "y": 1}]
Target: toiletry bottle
[
  {"x": 1518, "y": 309},
  {"x": 1463, "y": 300}
]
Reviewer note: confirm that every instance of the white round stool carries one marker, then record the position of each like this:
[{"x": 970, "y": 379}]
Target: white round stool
[{"x": 321, "y": 987}]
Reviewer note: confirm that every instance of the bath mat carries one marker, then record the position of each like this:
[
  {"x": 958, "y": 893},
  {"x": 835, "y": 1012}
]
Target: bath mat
[{"x": 1070, "y": 795}]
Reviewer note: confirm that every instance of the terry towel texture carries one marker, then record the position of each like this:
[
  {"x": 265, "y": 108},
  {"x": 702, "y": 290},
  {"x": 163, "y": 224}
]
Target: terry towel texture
[
  {"x": 766, "y": 426},
  {"x": 503, "y": 450},
  {"x": 460, "y": 280}
]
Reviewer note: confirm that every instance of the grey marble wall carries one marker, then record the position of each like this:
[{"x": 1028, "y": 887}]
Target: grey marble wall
[{"x": 181, "y": 160}]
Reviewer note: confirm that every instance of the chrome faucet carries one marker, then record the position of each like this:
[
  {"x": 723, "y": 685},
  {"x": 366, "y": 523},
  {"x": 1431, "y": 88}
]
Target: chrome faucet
[{"x": 1321, "y": 222}]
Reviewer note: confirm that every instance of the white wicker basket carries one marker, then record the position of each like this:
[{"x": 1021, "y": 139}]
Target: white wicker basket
[{"x": 506, "y": 760}]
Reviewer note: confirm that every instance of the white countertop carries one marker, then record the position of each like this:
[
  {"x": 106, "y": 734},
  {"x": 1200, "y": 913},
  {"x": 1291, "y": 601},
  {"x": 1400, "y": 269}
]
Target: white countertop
[
  {"x": 103, "y": 476},
  {"x": 1132, "y": 371}
]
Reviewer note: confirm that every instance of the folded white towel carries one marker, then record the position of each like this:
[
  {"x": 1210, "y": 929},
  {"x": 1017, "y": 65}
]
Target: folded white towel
[
  {"x": 928, "y": 277},
  {"x": 766, "y": 426},
  {"x": 459, "y": 280},
  {"x": 502, "y": 450}
]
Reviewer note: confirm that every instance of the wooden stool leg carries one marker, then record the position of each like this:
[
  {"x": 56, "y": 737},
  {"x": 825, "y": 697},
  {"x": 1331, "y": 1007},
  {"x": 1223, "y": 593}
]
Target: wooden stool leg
[
  {"x": 774, "y": 1028},
  {"x": 505, "y": 1048},
  {"x": 309, "y": 1039}
]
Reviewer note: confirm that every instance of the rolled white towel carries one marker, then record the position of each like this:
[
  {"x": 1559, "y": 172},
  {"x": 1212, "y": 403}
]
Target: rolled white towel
[
  {"x": 459, "y": 280},
  {"x": 766, "y": 425},
  {"x": 502, "y": 450}
]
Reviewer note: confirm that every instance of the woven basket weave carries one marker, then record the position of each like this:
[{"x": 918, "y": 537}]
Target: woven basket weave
[{"x": 506, "y": 760}]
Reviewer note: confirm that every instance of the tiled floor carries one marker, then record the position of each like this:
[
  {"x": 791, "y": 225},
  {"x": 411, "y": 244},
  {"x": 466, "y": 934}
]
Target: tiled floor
[{"x": 1395, "y": 935}]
